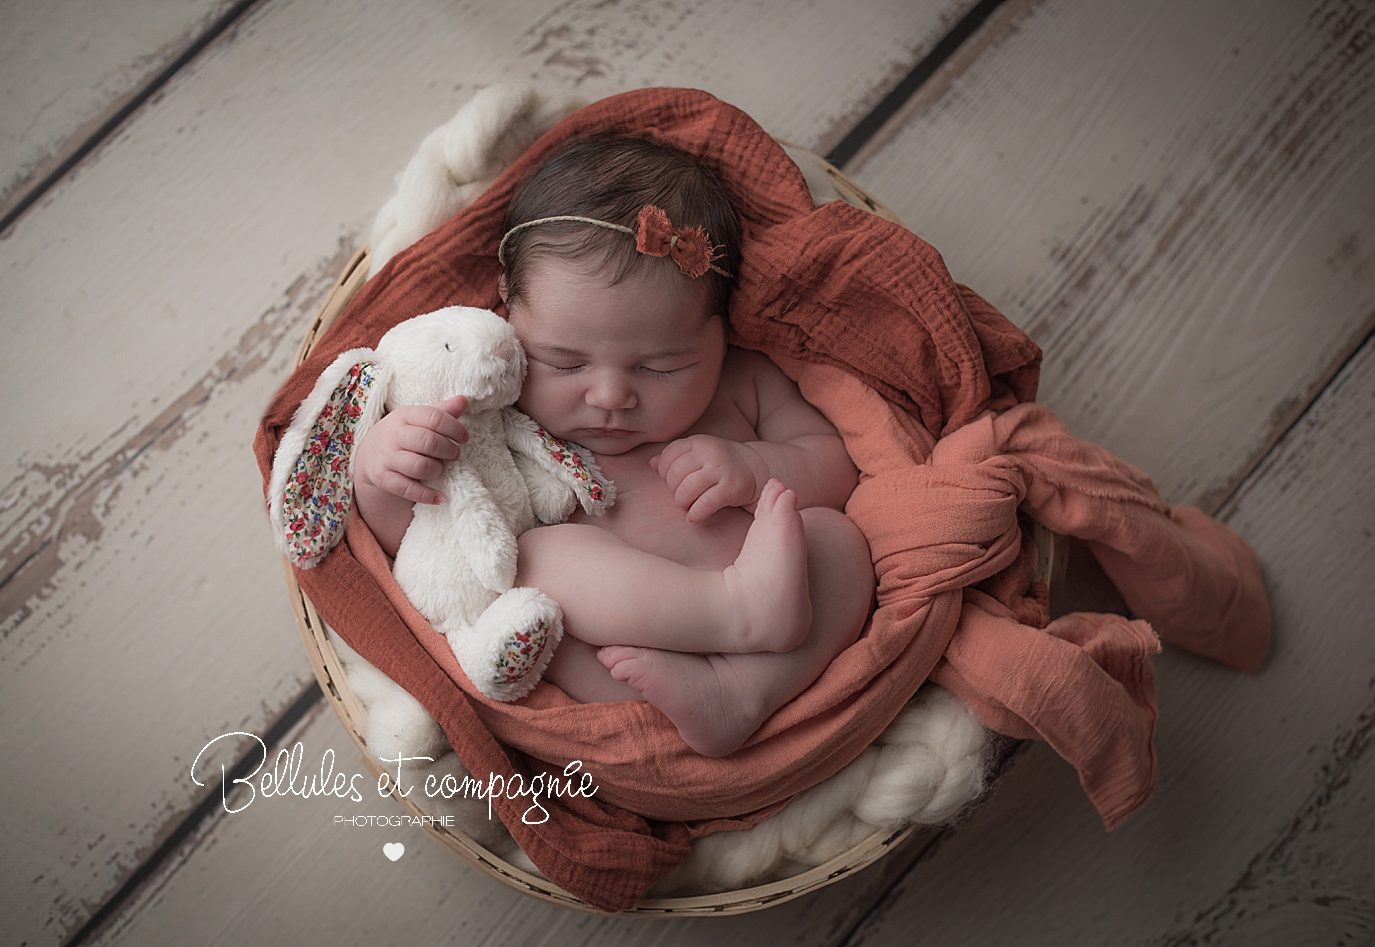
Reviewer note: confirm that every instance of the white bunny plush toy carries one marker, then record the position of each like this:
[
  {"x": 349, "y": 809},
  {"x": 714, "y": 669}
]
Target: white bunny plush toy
[{"x": 457, "y": 560}]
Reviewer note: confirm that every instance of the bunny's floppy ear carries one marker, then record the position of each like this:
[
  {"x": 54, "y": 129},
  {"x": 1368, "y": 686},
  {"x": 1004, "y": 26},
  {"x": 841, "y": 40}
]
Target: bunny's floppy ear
[
  {"x": 566, "y": 462},
  {"x": 312, "y": 474}
]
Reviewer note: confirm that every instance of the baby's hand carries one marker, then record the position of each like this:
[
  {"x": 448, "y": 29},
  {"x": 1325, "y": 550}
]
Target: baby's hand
[
  {"x": 708, "y": 473},
  {"x": 409, "y": 446}
]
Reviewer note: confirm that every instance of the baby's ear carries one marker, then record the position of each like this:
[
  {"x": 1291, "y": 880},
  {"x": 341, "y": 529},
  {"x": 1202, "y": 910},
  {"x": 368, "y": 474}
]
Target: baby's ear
[{"x": 501, "y": 286}]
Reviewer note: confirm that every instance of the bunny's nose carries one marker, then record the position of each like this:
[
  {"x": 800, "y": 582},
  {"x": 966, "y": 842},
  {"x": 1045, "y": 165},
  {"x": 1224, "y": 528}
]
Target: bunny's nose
[{"x": 505, "y": 350}]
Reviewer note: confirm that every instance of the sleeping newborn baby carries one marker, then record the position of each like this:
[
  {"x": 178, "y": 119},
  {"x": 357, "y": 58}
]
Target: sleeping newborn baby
[{"x": 725, "y": 578}]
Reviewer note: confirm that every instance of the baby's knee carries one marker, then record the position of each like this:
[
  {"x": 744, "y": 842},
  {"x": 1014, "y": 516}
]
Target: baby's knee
[
  {"x": 833, "y": 535},
  {"x": 840, "y": 571},
  {"x": 836, "y": 548}
]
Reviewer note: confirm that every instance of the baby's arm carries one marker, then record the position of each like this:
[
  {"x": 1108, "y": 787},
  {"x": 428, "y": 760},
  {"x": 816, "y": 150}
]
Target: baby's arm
[
  {"x": 405, "y": 448},
  {"x": 796, "y": 445},
  {"x": 796, "y": 442}
]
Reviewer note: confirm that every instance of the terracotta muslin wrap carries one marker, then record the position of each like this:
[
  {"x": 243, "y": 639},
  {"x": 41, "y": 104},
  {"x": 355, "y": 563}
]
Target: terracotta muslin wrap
[{"x": 933, "y": 392}]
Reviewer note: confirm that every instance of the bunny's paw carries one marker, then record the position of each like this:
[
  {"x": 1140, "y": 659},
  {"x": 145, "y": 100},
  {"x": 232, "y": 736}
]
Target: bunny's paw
[{"x": 505, "y": 652}]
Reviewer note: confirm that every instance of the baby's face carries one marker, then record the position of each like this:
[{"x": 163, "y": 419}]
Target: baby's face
[{"x": 614, "y": 367}]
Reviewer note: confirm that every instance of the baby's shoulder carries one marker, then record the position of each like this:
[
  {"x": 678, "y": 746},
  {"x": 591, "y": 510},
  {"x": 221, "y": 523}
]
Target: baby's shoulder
[
  {"x": 750, "y": 366},
  {"x": 756, "y": 372},
  {"x": 754, "y": 384}
]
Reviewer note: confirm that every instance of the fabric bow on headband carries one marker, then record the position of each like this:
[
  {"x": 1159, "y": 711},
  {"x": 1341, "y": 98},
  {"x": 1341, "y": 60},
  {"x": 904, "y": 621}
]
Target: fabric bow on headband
[{"x": 689, "y": 247}]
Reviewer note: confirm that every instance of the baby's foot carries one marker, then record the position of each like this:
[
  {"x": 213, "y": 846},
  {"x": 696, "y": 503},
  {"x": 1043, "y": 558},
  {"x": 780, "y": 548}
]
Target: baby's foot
[
  {"x": 767, "y": 584},
  {"x": 714, "y": 714}
]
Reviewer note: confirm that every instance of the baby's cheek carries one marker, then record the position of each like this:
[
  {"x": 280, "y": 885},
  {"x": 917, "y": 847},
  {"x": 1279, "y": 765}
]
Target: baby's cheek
[
  {"x": 528, "y": 402},
  {"x": 532, "y": 392},
  {"x": 542, "y": 404},
  {"x": 695, "y": 399}
]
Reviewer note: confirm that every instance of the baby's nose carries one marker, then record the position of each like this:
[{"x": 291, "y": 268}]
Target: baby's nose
[{"x": 611, "y": 396}]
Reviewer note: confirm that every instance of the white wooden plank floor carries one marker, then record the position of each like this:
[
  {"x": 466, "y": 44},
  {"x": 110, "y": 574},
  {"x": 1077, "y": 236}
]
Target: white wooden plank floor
[
  {"x": 1181, "y": 197},
  {"x": 1176, "y": 199},
  {"x": 68, "y": 68}
]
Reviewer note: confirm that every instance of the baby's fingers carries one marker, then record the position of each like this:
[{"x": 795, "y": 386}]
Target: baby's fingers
[
  {"x": 454, "y": 406},
  {"x": 708, "y": 504},
  {"x": 428, "y": 443},
  {"x": 692, "y": 486},
  {"x": 450, "y": 425},
  {"x": 432, "y": 417},
  {"x": 414, "y": 466},
  {"x": 400, "y": 485},
  {"x": 665, "y": 458},
  {"x": 676, "y": 473}
]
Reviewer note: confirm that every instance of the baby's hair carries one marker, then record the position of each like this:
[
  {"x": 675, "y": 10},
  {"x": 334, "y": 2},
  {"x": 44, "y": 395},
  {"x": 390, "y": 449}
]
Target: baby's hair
[{"x": 611, "y": 178}]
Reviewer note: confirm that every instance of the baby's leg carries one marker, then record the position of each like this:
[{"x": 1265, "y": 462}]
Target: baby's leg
[
  {"x": 718, "y": 700},
  {"x": 577, "y": 671},
  {"x": 613, "y": 593}
]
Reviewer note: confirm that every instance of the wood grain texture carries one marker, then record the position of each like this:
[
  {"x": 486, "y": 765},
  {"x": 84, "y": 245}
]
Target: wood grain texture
[
  {"x": 67, "y": 67},
  {"x": 157, "y": 296},
  {"x": 1173, "y": 198},
  {"x": 1257, "y": 833}
]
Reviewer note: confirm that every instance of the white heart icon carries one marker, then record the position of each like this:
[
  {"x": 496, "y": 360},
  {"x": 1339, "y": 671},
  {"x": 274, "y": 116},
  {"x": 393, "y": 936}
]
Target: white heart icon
[{"x": 393, "y": 850}]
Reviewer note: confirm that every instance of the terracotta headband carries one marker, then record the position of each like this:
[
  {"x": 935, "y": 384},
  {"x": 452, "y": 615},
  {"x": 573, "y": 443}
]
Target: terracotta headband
[{"x": 689, "y": 247}]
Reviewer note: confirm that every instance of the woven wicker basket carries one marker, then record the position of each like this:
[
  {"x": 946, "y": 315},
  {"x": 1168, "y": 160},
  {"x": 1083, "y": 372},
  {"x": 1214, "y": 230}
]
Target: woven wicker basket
[{"x": 329, "y": 669}]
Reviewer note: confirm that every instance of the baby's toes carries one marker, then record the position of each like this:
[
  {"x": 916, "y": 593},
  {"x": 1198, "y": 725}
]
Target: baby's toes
[
  {"x": 786, "y": 502},
  {"x": 769, "y": 496},
  {"x": 612, "y": 655}
]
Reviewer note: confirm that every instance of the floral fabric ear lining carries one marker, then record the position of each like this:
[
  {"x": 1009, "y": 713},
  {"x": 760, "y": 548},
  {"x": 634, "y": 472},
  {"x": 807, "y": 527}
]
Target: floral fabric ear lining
[
  {"x": 689, "y": 247},
  {"x": 315, "y": 502}
]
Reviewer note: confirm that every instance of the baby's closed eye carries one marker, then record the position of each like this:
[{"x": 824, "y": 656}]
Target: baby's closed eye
[{"x": 645, "y": 369}]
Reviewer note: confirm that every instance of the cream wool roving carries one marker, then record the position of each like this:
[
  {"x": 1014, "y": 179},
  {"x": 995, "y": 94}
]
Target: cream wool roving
[{"x": 456, "y": 162}]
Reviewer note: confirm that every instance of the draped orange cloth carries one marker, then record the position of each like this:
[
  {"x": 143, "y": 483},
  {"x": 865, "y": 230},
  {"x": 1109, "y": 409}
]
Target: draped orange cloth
[{"x": 933, "y": 391}]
